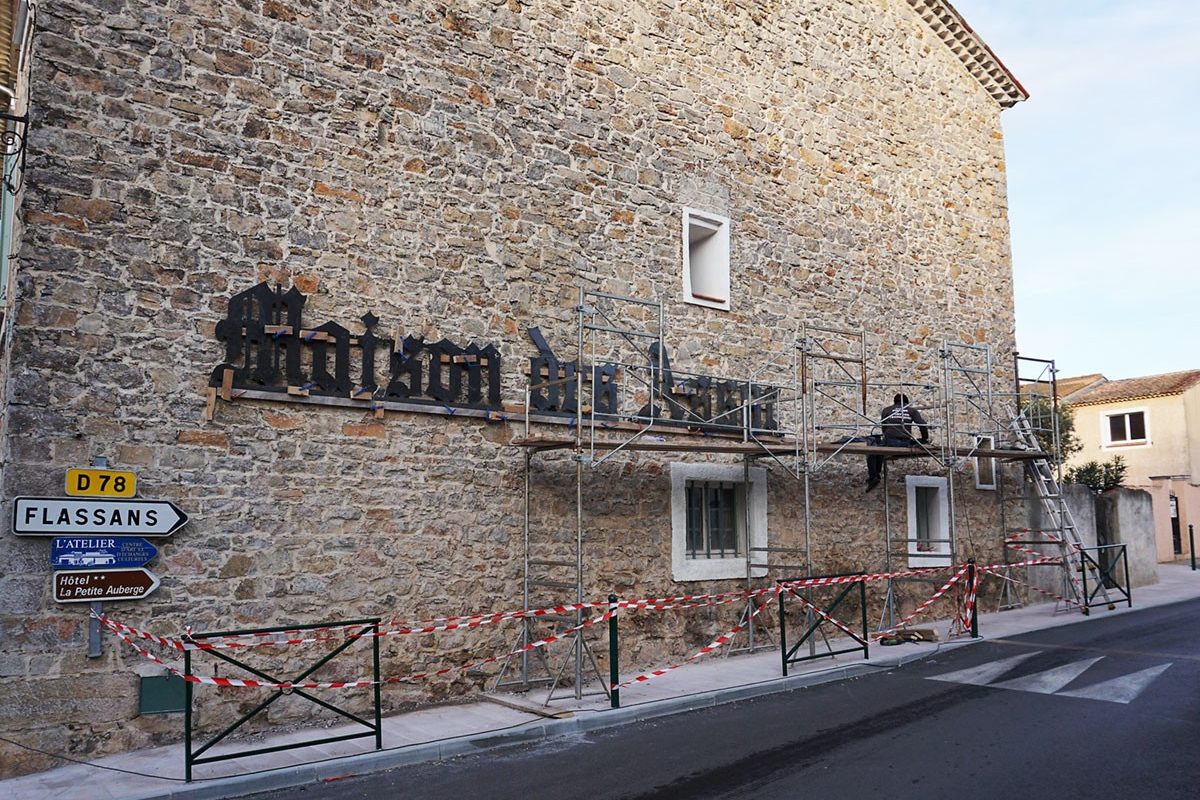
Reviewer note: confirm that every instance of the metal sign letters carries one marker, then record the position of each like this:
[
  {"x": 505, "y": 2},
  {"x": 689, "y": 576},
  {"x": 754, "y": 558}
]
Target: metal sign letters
[{"x": 268, "y": 348}]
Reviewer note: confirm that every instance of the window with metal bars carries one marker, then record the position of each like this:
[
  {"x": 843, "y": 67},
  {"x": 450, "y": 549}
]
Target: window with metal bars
[{"x": 715, "y": 519}]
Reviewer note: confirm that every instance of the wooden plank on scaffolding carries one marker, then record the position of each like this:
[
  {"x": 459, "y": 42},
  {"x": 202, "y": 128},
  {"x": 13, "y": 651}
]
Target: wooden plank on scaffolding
[{"x": 781, "y": 447}]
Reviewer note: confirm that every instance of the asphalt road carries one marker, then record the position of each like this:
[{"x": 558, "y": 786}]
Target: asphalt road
[{"x": 1109, "y": 708}]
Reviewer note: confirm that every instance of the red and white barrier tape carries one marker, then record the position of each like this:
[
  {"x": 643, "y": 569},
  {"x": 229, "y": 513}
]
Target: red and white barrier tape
[
  {"x": 821, "y": 613},
  {"x": 128, "y": 633},
  {"x": 808, "y": 583},
  {"x": 414, "y": 677},
  {"x": 587, "y": 623},
  {"x": 1032, "y": 562},
  {"x": 717, "y": 600},
  {"x": 965, "y": 611},
  {"x": 471, "y": 621},
  {"x": 715, "y": 644},
  {"x": 1053, "y": 540},
  {"x": 1028, "y": 548},
  {"x": 919, "y": 609},
  {"x": 1001, "y": 573},
  {"x": 1029, "y": 551},
  {"x": 436, "y": 625}
]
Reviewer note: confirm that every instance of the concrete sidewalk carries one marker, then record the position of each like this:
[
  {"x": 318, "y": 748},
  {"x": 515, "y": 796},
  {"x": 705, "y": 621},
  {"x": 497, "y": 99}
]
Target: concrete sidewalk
[{"x": 445, "y": 731}]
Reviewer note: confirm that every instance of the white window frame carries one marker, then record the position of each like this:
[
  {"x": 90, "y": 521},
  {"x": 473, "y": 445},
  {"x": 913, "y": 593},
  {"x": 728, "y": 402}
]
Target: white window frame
[
  {"x": 712, "y": 289},
  {"x": 985, "y": 443},
  {"x": 1106, "y": 441},
  {"x": 706, "y": 569},
  {"x": 940, "y": 556}
]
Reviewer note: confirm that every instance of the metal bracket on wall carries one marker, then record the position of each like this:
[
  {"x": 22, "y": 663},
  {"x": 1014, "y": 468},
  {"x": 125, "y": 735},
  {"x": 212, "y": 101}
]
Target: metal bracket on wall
[{"x": 12, "y": 143}]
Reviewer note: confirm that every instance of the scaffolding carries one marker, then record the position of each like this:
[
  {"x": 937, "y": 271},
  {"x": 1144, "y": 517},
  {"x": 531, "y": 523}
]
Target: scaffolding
[{"x": 801, "y": 410}]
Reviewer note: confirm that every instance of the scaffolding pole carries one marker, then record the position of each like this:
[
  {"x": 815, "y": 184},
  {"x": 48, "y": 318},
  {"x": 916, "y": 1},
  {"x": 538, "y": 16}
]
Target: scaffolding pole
[{"x": 827, "y": 388}]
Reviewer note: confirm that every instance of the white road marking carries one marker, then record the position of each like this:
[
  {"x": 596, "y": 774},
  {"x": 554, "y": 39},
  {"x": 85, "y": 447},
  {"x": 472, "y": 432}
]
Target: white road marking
[
  {"x": 1123, "y": 689},
  {"x": 1051, "y": 680},
  {"x": 984, "y": 673},
  {"x": 1120, "y": 690}
]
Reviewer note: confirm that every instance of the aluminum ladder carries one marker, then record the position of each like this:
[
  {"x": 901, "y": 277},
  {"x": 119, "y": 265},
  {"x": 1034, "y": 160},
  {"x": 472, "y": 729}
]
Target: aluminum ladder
[{"x": 1049, "y": 493}]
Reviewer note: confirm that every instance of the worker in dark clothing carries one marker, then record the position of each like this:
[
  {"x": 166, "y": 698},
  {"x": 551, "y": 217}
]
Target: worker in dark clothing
[{"x": 896, "y": 421}]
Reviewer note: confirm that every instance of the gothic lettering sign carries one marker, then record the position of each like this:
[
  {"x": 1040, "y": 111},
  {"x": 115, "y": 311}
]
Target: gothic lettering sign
[
  {"x": 693, "y": 401},
  {"x": 269, "y": 348}
]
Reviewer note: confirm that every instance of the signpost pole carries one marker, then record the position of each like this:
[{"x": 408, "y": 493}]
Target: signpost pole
[
  {"x": 95, "y": 641},
  {"x": 1192, "y": 544}
]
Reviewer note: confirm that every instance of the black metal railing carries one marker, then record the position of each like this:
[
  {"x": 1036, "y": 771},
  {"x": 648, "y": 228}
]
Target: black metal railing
[
  {"x": 1105, "y": 562},
  {"x": 818, "y": 616},
  {"x": 355, "y": 631}
]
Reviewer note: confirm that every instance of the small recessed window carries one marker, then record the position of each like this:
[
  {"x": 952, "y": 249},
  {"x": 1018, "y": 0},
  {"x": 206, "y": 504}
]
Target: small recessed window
[
  {"x": 985, "y": 468},
  {"x": 929, "y": 542},
  {"x": 705, "y": 259}
]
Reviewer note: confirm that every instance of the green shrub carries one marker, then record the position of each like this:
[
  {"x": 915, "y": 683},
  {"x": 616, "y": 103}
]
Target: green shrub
[{"x": 1098, "y": 477}]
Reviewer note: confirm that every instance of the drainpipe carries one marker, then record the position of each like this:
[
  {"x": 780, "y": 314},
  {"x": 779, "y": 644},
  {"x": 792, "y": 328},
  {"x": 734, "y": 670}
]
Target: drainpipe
[{"x": 6, "y": 203}]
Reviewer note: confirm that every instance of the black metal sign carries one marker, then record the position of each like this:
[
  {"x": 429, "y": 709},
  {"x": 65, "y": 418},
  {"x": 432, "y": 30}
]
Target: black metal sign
[
  {"x": 269, "y": 348},
  {"x": 694, "y": 401}
]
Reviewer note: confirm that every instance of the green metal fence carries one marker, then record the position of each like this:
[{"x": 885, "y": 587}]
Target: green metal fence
[
  {"x": 1106, "y": 559},
  {"x": 357, "y": 630},
  {"x": 816, "y": 617}
]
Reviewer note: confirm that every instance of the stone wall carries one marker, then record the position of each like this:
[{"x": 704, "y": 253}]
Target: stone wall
[
  {"x": 459, "y": 169},
  {"x": 1128, "y": 519}
]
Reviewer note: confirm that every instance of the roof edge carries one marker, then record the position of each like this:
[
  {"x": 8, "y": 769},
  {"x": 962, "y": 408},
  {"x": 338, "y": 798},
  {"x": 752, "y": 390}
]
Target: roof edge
[
  {"x": 1129, "y": 399},
  {"x": 976, "y": 56}
]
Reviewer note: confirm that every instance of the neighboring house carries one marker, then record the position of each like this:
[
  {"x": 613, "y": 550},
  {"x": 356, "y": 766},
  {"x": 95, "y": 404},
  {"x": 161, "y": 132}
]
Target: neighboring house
[
  {"x": 1072, "y": 386},
  {"x": 1153, "y": 422}
]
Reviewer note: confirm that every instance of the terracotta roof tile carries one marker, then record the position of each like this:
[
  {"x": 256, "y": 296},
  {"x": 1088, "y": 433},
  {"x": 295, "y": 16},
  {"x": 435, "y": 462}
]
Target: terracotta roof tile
[
  {"x": 1136, "y": 388},
  {"x": 974, "y": 53},
  {"x": 1076, "y": 383}
]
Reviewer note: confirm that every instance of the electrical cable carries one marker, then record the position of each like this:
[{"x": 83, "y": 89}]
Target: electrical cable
[{"x": 88, "y": 763}]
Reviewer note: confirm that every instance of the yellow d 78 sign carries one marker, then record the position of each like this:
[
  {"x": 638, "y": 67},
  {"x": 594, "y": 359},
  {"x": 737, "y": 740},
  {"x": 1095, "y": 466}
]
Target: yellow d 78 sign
[{"x": 101, "y": 483}]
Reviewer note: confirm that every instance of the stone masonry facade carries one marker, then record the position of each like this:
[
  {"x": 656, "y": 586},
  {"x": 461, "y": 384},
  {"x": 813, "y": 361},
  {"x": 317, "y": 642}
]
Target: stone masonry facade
[{"x": 459, "y": 169}]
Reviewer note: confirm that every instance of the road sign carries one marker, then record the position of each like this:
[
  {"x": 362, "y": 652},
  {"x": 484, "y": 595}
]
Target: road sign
[
  {"x": 101, "y": 483},
  {"x": 64, "y": 516},
  {"x": 109, "y": 584},
  {"x": 92, "y": 552}
]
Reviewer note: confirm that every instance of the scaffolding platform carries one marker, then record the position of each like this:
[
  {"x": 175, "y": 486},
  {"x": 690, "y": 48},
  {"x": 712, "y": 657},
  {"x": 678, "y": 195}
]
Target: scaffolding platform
[{"x": 541, "y": 444}]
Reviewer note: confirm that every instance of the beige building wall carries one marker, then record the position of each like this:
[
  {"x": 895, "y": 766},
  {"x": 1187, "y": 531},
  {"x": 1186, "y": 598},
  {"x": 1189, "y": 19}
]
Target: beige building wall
[
  {"x": 1187, "y": 499},
  {"x": 1191, "y": 414}
]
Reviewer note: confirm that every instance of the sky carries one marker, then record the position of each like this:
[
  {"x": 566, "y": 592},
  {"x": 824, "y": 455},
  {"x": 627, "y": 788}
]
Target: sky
[{"x": 1103, "y": 179}]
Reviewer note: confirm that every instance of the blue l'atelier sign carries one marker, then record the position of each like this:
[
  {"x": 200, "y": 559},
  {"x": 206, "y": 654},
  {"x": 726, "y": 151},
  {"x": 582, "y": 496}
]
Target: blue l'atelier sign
[{"x": 90, "y": 552}]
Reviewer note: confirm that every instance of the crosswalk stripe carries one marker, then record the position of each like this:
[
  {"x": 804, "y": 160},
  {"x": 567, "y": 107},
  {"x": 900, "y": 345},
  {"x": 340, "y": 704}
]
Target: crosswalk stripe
[
  {"x": 1051, "y": 680},
  {"x": 984, "y": 673},
  {"x": 1120, "y": 690}
]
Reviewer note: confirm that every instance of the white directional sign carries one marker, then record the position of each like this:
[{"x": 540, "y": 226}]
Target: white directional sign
[{"x": 80, "y": 516}]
